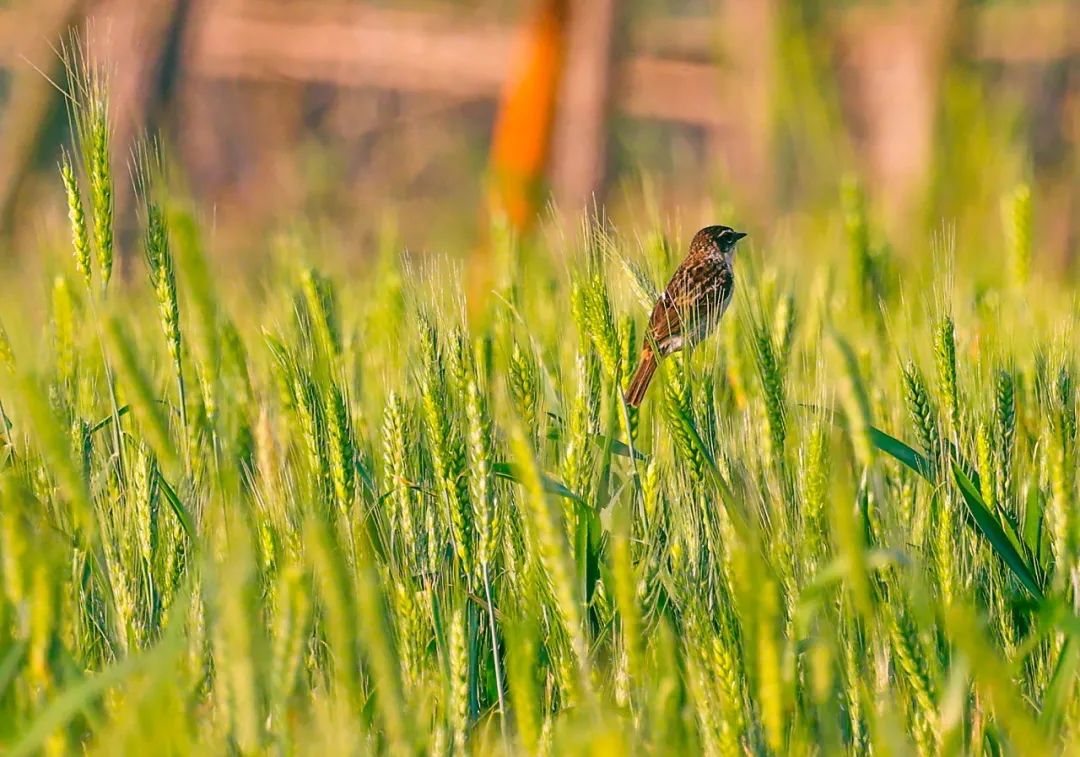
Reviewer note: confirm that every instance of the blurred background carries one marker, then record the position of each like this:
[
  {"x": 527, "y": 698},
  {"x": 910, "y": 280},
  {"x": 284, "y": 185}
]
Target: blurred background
[{"x": 434, "y": 114}]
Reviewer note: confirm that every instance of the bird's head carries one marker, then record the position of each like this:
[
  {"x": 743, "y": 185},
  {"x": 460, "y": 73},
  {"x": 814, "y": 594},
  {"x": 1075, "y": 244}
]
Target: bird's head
[{"x": 716, "y": 238}]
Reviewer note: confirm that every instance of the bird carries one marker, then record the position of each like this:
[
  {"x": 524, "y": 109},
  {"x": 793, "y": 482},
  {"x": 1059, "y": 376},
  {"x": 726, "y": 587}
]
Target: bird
[{"x": 692, "y": 303}]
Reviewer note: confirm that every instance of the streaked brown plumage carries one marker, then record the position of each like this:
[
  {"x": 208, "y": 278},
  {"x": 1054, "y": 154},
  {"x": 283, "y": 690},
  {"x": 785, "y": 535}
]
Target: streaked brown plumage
[{"x": 691, "y": 305}]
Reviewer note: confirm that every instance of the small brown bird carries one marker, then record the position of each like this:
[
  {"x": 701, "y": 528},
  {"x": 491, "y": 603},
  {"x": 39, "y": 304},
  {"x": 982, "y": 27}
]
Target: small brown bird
[{"x": 691, "y": 305}]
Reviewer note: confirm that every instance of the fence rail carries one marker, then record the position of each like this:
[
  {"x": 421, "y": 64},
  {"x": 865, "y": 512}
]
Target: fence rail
[
  {"x": 361, "y": 46},
  {"x": 678, "y": 70},
  {"x": 356, "y": 46}
]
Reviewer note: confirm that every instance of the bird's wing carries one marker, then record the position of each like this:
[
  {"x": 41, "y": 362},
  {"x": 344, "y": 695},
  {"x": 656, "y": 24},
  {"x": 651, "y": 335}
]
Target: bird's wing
[
  {"x": 698, "y": 286},
  {"x": 712, "y": 288},
  {"x": 665, "y": 321}
]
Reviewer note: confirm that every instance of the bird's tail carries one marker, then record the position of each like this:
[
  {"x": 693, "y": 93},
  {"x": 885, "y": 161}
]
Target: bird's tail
[{"x": 645, "y": 370}]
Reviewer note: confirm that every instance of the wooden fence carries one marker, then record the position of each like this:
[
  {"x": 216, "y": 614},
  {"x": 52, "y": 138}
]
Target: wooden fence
[{"x": 668, "y": 71}]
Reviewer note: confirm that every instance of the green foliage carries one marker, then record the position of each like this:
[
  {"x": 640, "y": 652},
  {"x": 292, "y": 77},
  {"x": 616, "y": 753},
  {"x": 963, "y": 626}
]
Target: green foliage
[
  {"x": 1016, "y": 214},
  {"x": 89, "y": 112},
  {"x": 80, "y": 238},
  {"x": 376, "y": 528}
]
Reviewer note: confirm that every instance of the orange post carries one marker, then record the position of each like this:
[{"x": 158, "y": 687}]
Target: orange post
[{"x": 522, "y": 140}]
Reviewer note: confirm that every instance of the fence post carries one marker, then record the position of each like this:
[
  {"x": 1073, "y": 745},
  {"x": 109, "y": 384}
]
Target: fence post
[
  {"x": 579, "y": 152},
  {"x": 746, "y": 35}
]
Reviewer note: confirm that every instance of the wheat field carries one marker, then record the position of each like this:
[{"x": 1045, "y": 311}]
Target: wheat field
[{"x": 320, "y": 513}]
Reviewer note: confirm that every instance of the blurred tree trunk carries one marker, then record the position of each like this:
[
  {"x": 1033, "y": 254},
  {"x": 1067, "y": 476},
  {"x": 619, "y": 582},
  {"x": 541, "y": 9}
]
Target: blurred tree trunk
[
  {"x": 746, "y": 35},
  {"x": 894, "y": 61},
  {"x": 579, "y": 154},
  {"x": 1067, "y": 183},
  {"x": 32, "y": 97},
  {"x": 134, "y": 40},
  {"x": 138, "y": 43}
]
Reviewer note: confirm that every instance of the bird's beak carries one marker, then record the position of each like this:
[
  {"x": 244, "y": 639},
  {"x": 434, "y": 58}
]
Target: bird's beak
[{"x": 740, "y": 234}]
